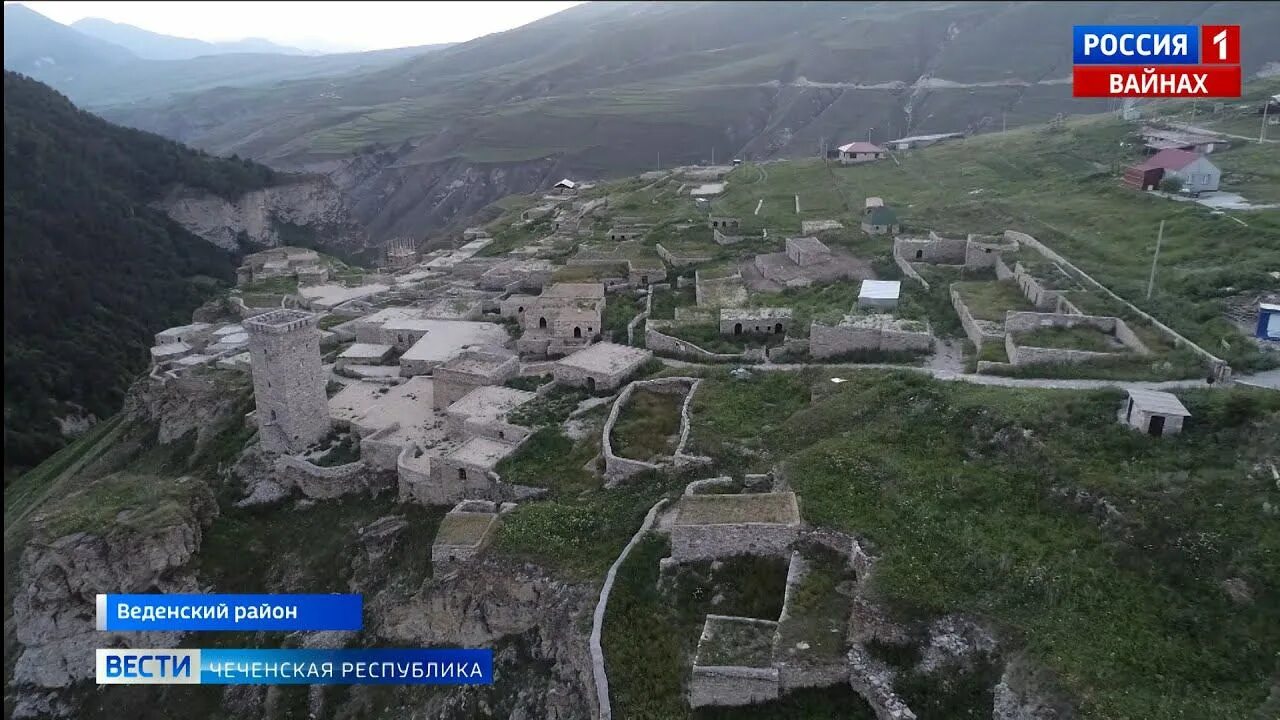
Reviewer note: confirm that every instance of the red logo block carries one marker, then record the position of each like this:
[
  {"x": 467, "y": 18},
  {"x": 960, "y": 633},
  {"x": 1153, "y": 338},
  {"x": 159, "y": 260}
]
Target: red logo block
[{"x": 1220, "y": 44}]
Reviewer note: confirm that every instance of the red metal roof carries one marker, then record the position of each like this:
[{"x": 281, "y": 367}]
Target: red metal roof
[
  {"x": 1169, "y": 160},
  {"x": 861, "y": 147}
]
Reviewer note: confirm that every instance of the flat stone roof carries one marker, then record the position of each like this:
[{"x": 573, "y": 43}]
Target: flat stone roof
[
  {"x": 181, "y": 329},
  {"x": 490, "y": 402},
  {"x": 228, "y": 330},
  {"x": 807, "y": 243},
  {"x": 882, "y": 321},
  {"x": 758, "y": 313},
  {"x": 444, "y": 339},
  {"x": 365, "y": 351},
  {"x": 574, "y": 290},
  {"x": 482, "y": 451},
  {"x": 1159, "y": 403},
  {"x": 374, "y": 406},
  {"x": 466, "y": 529},
  {"x": 168, "y": 349},
  {"x": 880, "y": 289},
  {"x": 609, "y": 358},
  {"x": 482, "y": 363},
  {"x": 776, "y": 508},
  {"x": 331, "y": 295}
]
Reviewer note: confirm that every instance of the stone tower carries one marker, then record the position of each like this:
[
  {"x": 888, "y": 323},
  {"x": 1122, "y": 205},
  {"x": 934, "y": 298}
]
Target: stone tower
[{"x": 288, "y": 381}]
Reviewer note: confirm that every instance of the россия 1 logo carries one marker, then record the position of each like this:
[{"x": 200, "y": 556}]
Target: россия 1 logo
[{"x": 1156, "y": 61}]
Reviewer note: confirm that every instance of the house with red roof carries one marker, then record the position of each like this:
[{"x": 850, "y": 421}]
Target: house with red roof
[
  {"x": 860, "y": 152},
  {"x": 1193, "y": 169}
]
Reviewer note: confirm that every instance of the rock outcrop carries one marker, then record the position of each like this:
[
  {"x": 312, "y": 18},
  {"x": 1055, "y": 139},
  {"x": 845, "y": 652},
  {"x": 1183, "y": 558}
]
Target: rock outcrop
[
  {"x": 310, "y": 210},
  {"x": 61, "y": 573},
  {"x": 532, "y": 618}
]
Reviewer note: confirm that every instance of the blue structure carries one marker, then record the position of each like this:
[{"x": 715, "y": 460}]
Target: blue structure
[{"x": 1268, "y": 321}]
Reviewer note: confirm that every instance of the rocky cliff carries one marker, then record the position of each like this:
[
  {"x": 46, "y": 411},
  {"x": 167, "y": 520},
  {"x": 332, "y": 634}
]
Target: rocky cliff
[
  {"x": 76, "y": 553},
  {"x": 395, "y": 195},
  {"x": 310, "y": 211}
]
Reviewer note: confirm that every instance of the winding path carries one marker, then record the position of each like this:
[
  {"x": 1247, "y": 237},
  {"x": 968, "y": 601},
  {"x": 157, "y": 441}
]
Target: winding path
[{"x": 597, "y": 619}]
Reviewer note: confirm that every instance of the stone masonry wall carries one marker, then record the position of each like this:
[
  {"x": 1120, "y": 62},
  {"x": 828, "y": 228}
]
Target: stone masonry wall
[
  {"x": 732, "y": 686},
  {"x": 1016, "y": 322},
  {"x": 827, "y": 341},
  {"x": 322, "y": 483},
  {"x": 660, "y": 342},
  {"x": 379, "y": 452},
  {"x": 907, "y": 268},
  {"x": 707, "y": 542},
  {"x": 979, "y": 331},
  {"x": 935, "y": 249},
  {"x": 619, "y": 468},
  {"x": 1020, "y": 355}
]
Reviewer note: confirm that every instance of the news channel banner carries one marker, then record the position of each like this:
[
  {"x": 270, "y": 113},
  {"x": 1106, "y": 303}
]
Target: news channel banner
[
  {"x": 270, "y": 613},
  {"x": 1156, "y": 61}
]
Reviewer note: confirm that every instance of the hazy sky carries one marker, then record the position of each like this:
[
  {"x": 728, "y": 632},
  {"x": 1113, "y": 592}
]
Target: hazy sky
[{"x": 314, "y": 25}]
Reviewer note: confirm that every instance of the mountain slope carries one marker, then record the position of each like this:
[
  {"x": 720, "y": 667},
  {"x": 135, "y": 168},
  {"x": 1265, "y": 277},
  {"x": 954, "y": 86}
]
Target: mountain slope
[
  {"x": 91, "y": 269},
  {"x": 37, "y": 46},
  {"x": 156, "y": 46},
  {"x": 613, "y": 88},
  {"x": 95, "y": 73}
]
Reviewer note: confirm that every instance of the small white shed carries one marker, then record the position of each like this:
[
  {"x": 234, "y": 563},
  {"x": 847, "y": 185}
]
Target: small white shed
[
  {"x": 1154, "y": 413},
  {"x": 879, "y": 293}
]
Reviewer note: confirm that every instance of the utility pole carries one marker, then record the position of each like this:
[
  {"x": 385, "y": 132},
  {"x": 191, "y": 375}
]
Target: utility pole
[
  {"x": 1151, "y": 281},
  {"x": 1004, "y": 122},
  {"x": 659, "y": 159},
  {"x": 713, "y": 154},
  {"x": 1262, "y": 133}
]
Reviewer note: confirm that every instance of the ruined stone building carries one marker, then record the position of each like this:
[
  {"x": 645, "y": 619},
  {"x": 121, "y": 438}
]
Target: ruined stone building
[
  {"x": 564, "y": 318},
  {"x": 288, "y": 381}
]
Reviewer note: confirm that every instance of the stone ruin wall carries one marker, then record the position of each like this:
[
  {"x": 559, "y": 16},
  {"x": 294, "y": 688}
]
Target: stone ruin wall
[
  {"x": 826, "y": 341},
  {"x": 323, "y": 483},
  {"x": 660, "y": 342},
  {"x": 618, "y": 468},
  {"x": 1016, "y": 322},
  {"x": 732, "y": 686},
  {"x": 690, "y": 543},
  {"x": 979, "y": 331},
  {"x": 377, "y": 451}
]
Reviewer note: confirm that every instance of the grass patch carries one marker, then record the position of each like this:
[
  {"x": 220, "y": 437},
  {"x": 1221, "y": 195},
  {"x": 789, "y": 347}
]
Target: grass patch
[
  {"x": 549, "y": 459},
  {"x": 1080, "y": 337},
  {"x": 619, "y": 311},
  {"x": 736, "y": 642},
  {"x": 962, "y": 487},
  {"x": 530, "y": 383},
  {"x": 550, "y": 409},
  {"x": 991, "y": 300},
  {"x": 647, "y": 428},
  {"x": 666, "y": 300},
  {"x": 120, "y": 500},
  {"x": 819, "y": 612},
  {"x": 723, "y": 508},
  {"x": 463, "y": 528},
  {"x": 730, "y": 416}
]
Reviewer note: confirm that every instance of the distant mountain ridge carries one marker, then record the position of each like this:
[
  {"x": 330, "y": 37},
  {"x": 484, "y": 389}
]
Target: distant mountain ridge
[
  {"x": 607, "y": 89},
  {"x": 156, "y": 46},
  {"x": 121, "y": 69}
]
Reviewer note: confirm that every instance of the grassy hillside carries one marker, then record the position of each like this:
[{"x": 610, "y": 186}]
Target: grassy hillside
[
  {"x": 1062, "y": 187},
  {"x": 91, "y": 269},
  {"x": 608, "y": 86}
]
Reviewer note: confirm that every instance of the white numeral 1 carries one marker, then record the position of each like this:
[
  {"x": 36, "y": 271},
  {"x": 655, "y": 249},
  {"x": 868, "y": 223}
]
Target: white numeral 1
[{"x": 1221, "y": 41}]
